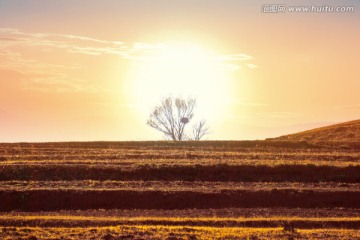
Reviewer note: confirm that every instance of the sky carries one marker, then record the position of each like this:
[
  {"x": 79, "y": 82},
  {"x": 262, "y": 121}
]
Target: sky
[{"x": 74, "y": 70}]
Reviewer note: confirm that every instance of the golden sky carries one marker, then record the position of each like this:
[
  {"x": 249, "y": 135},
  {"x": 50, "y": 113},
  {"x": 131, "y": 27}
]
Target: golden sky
[{"x": 93, "y": 70}]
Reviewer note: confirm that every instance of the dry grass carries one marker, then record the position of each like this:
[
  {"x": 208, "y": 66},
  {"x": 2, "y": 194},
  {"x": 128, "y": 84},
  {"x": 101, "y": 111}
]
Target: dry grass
[
  {"x": 188, "y": 190},
  {"x": 348, "y": 131},
  {"x": 86, "y": 221},
  {"x": 176, "y": 186},
  {"x": 174, "y": 232}
]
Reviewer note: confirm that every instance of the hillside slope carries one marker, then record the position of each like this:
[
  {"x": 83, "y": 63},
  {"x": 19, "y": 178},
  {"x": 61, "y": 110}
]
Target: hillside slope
[{"x": 347, "y": 131}]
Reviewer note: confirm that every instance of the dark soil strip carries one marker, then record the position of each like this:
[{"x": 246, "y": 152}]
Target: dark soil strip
[
  {"x": 244, "y": 173},
  {"x": 44, "y": 200}
]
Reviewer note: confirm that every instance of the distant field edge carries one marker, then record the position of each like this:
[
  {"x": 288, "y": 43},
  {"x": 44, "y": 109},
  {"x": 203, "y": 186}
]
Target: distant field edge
[{"x": 270, "y": 142}]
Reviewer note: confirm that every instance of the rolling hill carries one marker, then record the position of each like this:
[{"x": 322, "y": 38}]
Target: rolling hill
[{"x": 345, "y": 132}]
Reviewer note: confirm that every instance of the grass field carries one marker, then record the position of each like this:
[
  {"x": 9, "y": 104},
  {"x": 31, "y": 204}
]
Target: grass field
[
  {"x": 189, "y": 190},
  {"x": 347, "y": 131}
]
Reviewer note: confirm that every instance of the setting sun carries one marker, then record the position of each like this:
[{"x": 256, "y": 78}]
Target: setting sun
[
  {"x": 180, "y": 69},
  {"x": 221, "y": 119},
  {"x": 96, "y": 71}
]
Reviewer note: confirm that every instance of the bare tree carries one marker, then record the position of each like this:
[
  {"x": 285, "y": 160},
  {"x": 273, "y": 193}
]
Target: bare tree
[
  {"x": 200, "y": 130},
  {"x": 172, "y": 116}
]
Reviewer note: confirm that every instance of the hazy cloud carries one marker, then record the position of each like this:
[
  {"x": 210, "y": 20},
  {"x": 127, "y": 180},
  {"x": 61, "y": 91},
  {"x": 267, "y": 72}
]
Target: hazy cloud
[
  {"x": 43, "y": 76},
  {"x": 279, "y": 114},
  {"x": 245, "y": 102},
  {"x": 7, "y": 39},
  {"x": 252, "y": 66},
  {"x": 71, "y": 43},
  {"x": 347, "y": 107},
  {"x": 237, "y": 61},
  {"x": 14, "y": 41},
  {"x": 235, "y": 57},
  {"x": 83, "y": 38},
  {"x": 254, "y": 104},
  {"x": 93, "y": 46}
]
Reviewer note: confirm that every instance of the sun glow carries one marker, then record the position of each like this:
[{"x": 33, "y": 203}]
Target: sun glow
[{"x": 180, "y": 69}]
